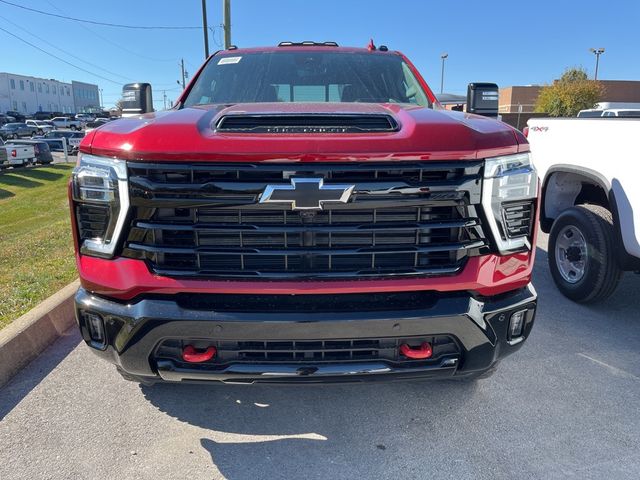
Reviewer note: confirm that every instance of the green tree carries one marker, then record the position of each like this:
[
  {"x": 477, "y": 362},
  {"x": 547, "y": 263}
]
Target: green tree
[{"x": 568, "y": 95}]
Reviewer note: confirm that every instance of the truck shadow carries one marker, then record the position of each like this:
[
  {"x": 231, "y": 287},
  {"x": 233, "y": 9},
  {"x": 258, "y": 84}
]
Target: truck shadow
[
  {"x": 380, "y": 430},
  {"x": 6, "y": 194},
  {"x": 17, "y": 178},
  {"x": 32, "y": 177},
  {"x": 329, "y": 431}
]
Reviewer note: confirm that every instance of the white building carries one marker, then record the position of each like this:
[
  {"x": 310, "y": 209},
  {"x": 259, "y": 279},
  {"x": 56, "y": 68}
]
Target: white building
[{"x": 26, "y": 94}]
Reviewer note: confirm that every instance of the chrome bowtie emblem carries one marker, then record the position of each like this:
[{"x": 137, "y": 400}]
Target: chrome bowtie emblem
[{"x": 306, "y": 193}]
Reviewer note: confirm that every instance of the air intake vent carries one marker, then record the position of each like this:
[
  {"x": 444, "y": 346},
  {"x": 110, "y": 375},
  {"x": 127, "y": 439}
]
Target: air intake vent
[
  {"x": 518, "y": 218},
  {"x": 316, "y": 123}
]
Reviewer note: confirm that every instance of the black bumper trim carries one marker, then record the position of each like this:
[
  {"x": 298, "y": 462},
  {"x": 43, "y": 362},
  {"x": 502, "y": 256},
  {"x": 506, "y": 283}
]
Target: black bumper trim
[
  {"x": 295, "y": 373},
  {"x": 134, "y": 331}
]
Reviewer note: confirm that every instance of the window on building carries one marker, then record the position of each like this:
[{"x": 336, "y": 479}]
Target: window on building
[
  {"x": 15, "y": 105},
  {"x": 21, "y": 84},
  {"x": 46, "y": 87},
  {"x": 39, "y": 88},
  {"x": 13, "y": 84},
  {"x": 68, "y": 92},
  {"x": 53, "y": 89},
  {"x": 24, "y": 107},
  {"x": 33, "y": 89}
]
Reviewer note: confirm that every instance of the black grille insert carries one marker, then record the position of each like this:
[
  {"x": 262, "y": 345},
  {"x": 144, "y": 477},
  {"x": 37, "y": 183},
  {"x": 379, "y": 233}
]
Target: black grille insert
[
  {"x": 518, "y": 218},
  {"x": 310, "y": 351},
  {"x": 315, "y": 123},
  {"x": 93, "y": 221}
]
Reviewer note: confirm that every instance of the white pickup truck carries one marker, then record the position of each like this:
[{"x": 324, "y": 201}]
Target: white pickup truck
[
  {"x": 64, "y": 122},
  {"x": 16, "y": 155},
  {"x": 590, "y": 202}
]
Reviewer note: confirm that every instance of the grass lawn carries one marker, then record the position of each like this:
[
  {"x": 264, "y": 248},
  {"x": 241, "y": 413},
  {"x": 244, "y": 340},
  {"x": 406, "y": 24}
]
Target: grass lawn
[{"x": 36, "y": 250}]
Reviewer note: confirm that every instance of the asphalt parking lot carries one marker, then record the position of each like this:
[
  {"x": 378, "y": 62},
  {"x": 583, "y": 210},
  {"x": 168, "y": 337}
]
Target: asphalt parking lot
[{"x": 565, "y": 406}]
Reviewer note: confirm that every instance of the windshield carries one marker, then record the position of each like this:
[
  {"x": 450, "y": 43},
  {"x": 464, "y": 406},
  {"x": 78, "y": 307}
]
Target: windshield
[
  {"x": 590, "y": 113},
  {"x": 629, "y": 113},
  {"x": 307, "y": 76}
]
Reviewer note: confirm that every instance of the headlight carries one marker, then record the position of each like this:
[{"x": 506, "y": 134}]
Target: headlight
[
  {"x": 509, "y": 196},
  {"x": 101, "y": 202}
]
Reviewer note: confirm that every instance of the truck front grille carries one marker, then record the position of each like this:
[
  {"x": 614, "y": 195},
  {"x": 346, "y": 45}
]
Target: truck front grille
[{"x": 206, "y": 221}]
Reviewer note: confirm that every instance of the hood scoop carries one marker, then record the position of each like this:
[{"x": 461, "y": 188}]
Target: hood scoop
[{"x": 306, "y": 123}]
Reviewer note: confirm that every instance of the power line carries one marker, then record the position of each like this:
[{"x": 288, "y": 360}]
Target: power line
[
  {"x": 62, "y": 50},
  {"x": 115, "y": 44},
  {"x": 58, "y": 58},
  {"x": 104, "y": 24}
]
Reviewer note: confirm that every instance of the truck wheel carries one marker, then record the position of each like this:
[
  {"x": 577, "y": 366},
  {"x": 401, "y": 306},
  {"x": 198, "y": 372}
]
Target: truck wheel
[
  {"x": 582, "y": 254},
  {"x": 15, "y": 136},
  {"x": 73, "y": 127}
]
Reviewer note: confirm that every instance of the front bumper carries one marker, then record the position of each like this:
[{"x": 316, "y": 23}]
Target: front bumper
[{"x": 134, "y": 331}]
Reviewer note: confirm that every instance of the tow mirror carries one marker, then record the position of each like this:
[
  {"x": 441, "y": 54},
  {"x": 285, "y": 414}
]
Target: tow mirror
[
  {"x": 482, "y": 99},
  {"x": 136, "y": 99}
]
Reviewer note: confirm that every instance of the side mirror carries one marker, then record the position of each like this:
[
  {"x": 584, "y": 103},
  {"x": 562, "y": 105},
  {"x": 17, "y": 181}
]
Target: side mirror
[
  {"x": 136, "y": 99},
  {"x": 482, "y": 99}
]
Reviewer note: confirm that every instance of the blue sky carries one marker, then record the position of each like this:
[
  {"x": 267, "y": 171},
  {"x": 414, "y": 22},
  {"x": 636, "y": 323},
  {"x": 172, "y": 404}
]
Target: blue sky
[{"x": 507, "y": 42}]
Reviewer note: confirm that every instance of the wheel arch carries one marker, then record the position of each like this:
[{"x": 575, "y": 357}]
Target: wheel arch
[
  {"x": 565, "y": 186},
  {"x": 562, "y": 187}
]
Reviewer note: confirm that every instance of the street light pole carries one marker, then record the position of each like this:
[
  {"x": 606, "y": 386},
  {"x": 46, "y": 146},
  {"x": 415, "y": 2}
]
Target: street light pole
[
  {"x": 597, "y": 52},
  {"x": 101, "y": 102},
  {"x": 443, "y": 57},
  {"x": 205, "y": 29}
]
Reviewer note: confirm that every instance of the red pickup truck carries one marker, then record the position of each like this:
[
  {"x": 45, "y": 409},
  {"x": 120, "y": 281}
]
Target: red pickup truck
[{"x": 305, "y": 213}]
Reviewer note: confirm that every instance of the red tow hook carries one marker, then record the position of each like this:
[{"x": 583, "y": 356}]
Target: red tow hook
[
  {"x": 191, "y": 355},
  {"x": 422, "y": 352}
]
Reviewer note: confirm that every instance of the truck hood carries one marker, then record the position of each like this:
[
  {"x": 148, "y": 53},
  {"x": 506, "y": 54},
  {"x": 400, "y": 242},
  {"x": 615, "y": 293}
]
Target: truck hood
[{"x": 189, "y": 134}]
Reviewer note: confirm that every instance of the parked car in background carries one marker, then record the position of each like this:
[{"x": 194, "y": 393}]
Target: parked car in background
[
  {"x": 64, "y": 122},
  {"x": 41, "y": 149},
  {"x": 43, "y": 115},
  {"x": 54, "y": 139},
  {"x": 98, "y": 122},
  {"x": 41, "y": 126},
  {"x": 84, "y": 117},
  {"x": 16, "y": 130},
  {"x": 17, "y": 115},
  {"x": 16, "y": 155}
]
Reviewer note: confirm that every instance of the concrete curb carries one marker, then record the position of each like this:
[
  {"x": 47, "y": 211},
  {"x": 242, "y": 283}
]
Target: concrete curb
[{"x": 25, "y": 338}]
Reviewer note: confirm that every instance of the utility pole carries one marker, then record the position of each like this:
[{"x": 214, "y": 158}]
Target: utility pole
[
  {"x": 164, "y": 98},
  {"x": 183, "y": 74},
  {"x": 226, "y": 24},
  {"x": 101, "y": 103},
  {"x": 597, "y": 52},
  {"x": 205, "y": 29},
  {"x": 443, "y": 57}
]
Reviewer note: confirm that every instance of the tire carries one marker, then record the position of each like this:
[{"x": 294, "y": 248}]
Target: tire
[
  {"x": 40, "y": 132},
  {"x": 582, "y": 254},
  {"x": 15, "y": 136},
  {"x": 73, "y": 127}
]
